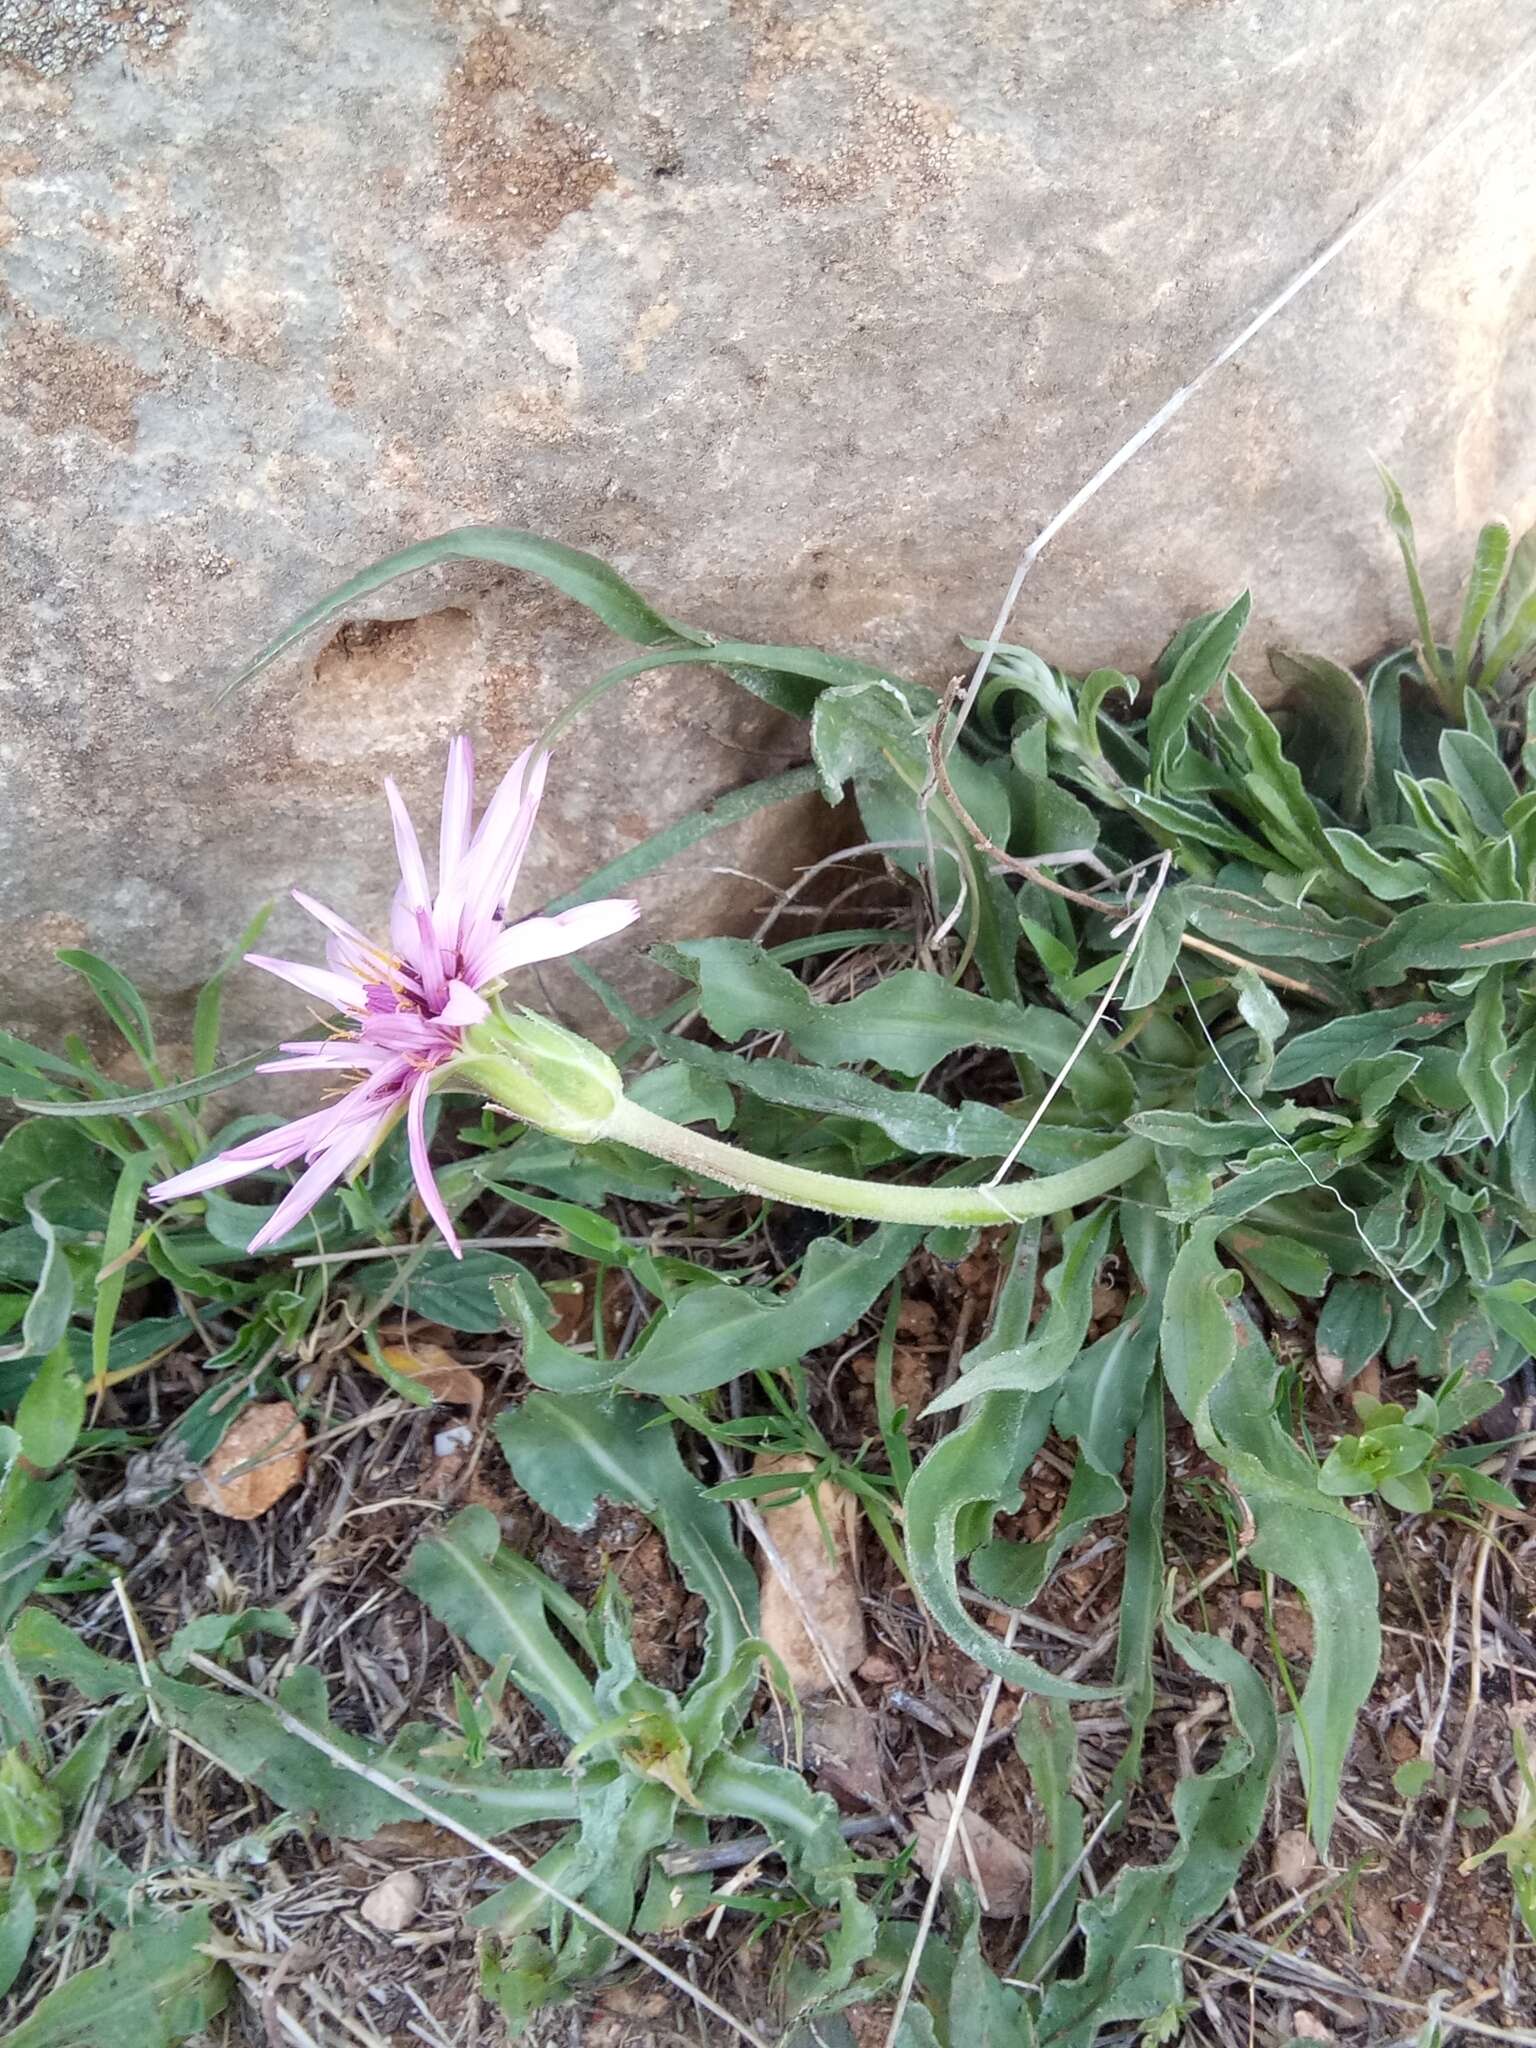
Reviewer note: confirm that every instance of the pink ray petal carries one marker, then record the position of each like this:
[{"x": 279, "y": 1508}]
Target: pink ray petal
[
  {"x": 465, "y": 1006},
  {"x": 547, "y": 938},
  {"x": 319, "y": 1178},
  {"x": 268, "y": 1148},
  {"x": 497, "y": 849},
  {"x": 421, "y": 1164},
  {"x": 402, "y": 927},
  {"x": 429, "y": 960},
  {"x": 413, "y": 871},
  {"x": 458, "y": 807},
  {"x": 342, "y": 991}
]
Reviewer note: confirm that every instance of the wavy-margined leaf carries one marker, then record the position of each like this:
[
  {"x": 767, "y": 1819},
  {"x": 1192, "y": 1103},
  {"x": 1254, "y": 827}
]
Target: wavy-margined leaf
[
  {"x": 156, "y": 1986},
  {"x": 1223, "y": 1379},
  {"x": 717, "y": 1334},
  {"x": 916, "y": 1121},
  {"x": 973, "y": 1475},
  {"x": 1272, "y": 791},
  {"x": 1105, "y": 1386},
  {"x": 1046, "y": 1740},
  {"x": 1272, "y": 929},
  {"x": 1207, "y": 650},
  {"x": 570, "y": 1452},
  {"x": 1133, "y": 1931},
  {"x": 1327, "y": 1048},
  {"x": 1141, "y": 1589},
  {"x": 906, "y": 1023},
  {"x": 248, "y": 1739},
  {"x": 803, "y": 1823},
  {"x": 1480, "y": 1069},
  {"x": 1447, "y": 938},
  {"x": 1043, "y": 1357},
  {"x": 500, "y": 1604},
  {"x": 1328, "y": 732}
]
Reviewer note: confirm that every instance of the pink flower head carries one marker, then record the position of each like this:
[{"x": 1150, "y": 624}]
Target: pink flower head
[{"x": 407, "y": 1005}]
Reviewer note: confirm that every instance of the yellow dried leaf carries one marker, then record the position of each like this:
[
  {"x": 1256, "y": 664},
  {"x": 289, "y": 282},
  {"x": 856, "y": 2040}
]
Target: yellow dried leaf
[
  {"x": 436, "y": 1371},
  {"x": 262, "y": 1456}
]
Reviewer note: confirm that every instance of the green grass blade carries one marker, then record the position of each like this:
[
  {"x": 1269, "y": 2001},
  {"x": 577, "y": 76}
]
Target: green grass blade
[
  {"x": 1401, "y": 522},
  {"x": 1489, "y": 561},
  {"x": 601, "y": 590},
  {"x": 210, "y": 1000},
  {"x": 109, "y": 1291}
]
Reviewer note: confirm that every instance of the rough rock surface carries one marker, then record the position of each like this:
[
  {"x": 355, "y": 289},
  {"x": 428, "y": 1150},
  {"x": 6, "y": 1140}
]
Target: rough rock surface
[{"x": 805, "y": 315}]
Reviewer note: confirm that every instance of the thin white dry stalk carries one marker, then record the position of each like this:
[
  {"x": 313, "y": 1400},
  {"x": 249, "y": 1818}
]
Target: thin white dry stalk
[
  {"x": 1394, "y": 1278},
  {"x": 947, "y": 1846},
  {"x": 1460, "y": 1756},
  {"x": 481, "y": 1844},
  {"x": 1136, "y": 926},
  {"x": 1390, "y": 192}
]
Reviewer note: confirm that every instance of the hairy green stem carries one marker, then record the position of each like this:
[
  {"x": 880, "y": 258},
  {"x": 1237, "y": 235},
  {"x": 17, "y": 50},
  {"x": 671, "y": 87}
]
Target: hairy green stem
[{"x": 877, "y": 1201}]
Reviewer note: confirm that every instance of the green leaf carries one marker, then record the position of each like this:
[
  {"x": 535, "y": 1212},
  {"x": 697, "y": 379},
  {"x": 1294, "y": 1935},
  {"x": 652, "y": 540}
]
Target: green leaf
[
  {"x": 603, "y": 592},
  {"x": 131, "y": 1181},
  {"x": 155, "y": 1988},
  {"x": 1223, "y": 1378},
  {"x": 35, "y": 1152},
  {"x": 1044, "y": 1356},
  {"x": 1479, "y": 778},
  {"x": 907, "y": 1023},
  {"x": 121, "y": 1001},
  {"x": 1104, "y": 1387},
  {"x": 1481, "y": 1067},
  {"x": 45, "y": 1648},
  {"x": 49, "y": 1311},
  {"x": 1412, "y": 1778},
  {"x": 1273, "y": 930},
  {"x": 1134, "y": 1930},
  {"x": 718, "y": 815},
  {"x": 1390, "y": 880},
  {"x": 971, "y": 1476},
  {"x": 1447, "y": 937},
  {"x": 1321, "y": 1053},
  {"x": 455, "y": 1292},
  {"x": 31, "y": 1817},
  {"x": 1490, "y": 559},
  {"x": 1272, "y": 790},
  {"x": 1046, "y": 1740},
  {"x": 919, "y": 1123},
  {"x": 1199, "y": 669},
  {"x": 1330, "y": 727},
  {"x": 568, "y": 1453},
  {"x": 207, "y": 1016},
  {"x": 1402, "y": 526},
  {"x": 51, "y": 1412},
  {"x": 1354, "y": 1323},
  {"x": 1141, "y": 1589},
  {"x": 497, "y": 1602},
  {"x": 208, "y": 1634},
  {"x": 714, "y": 1334}
]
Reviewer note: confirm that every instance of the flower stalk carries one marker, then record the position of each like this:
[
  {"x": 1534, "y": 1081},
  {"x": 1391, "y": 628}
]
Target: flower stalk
[{"x": 560, "y": 1083}]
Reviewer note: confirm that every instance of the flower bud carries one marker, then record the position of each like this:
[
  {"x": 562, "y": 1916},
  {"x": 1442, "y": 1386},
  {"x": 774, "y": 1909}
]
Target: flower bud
[{"x": 542, "y": 1073}]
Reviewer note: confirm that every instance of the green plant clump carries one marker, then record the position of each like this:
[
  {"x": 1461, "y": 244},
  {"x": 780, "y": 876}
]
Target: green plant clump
[{"x": 1308, "y": 923}]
